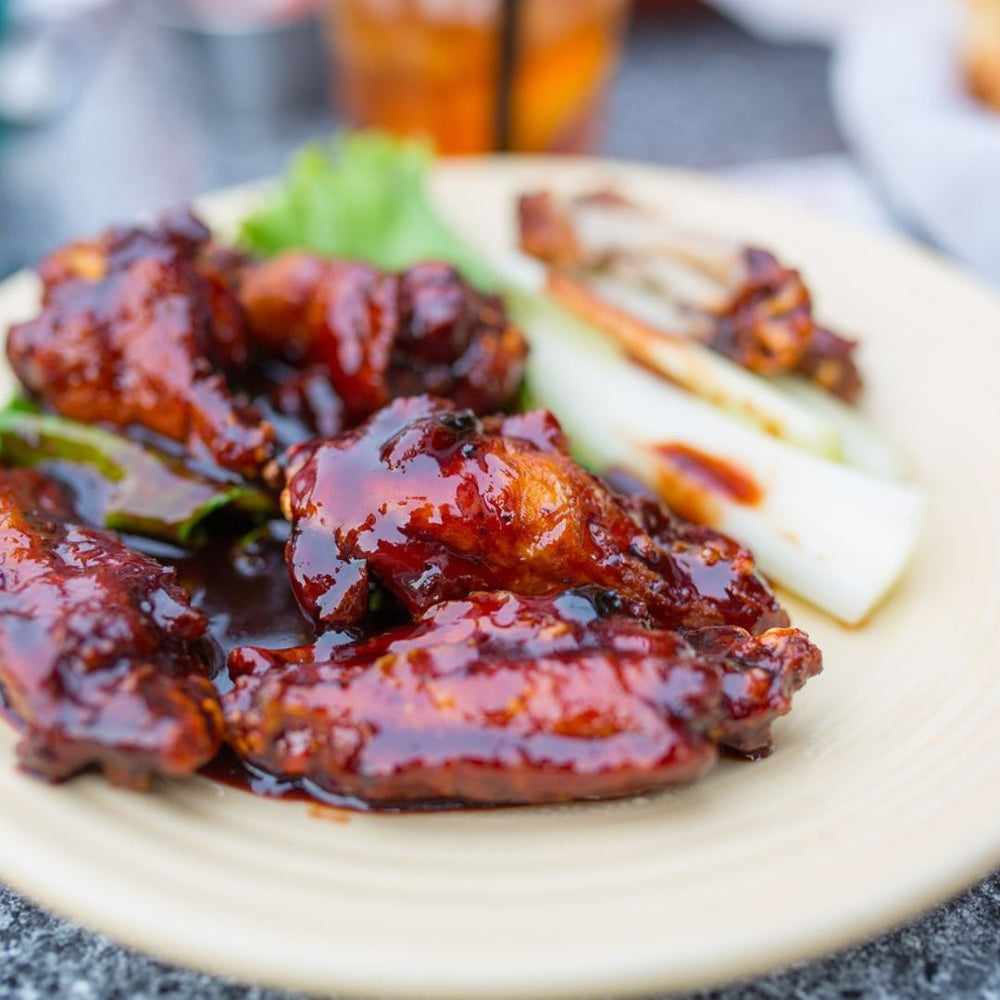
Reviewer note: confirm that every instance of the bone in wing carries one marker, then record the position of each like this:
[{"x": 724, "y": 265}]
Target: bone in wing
[
  {"x": 154, "y": 327},
  {"x": 141, "y": 327},
  {"x": 500, "y": 699},
  {"x": 102, "y": 658},
  {"x": 606, "y": 253},
  {"x": 433, "y": 503},
  {"x": 379, "y": 335}
]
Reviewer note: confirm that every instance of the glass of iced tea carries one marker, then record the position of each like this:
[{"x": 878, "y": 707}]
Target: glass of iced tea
[{"x": 478, "y": 75}]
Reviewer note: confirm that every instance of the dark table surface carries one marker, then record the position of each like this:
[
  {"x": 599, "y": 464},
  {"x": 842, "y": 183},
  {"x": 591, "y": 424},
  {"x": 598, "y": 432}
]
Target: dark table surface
[{"x": 693, "y": 91}]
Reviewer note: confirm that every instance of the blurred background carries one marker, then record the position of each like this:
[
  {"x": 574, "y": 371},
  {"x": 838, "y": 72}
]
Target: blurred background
[{"x": 883, "y": 112}]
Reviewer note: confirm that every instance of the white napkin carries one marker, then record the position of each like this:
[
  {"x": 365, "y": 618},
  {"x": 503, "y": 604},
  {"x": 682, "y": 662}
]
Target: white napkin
[
  {"x": 900, "y": 97},
  {"x": 901, "y": 100},
  {"x": 795, "y": 20}
]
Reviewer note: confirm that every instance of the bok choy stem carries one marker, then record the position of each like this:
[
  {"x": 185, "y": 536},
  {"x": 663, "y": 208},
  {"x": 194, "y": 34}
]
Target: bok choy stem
[{"x": 139, "y": 490}]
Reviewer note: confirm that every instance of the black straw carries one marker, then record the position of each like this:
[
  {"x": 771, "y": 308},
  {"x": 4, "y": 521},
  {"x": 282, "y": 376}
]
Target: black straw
[{"x": 510, "y": 11}]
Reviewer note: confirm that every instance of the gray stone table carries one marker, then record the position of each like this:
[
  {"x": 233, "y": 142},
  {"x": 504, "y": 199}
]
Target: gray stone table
[{"x": 693, "y": 90}]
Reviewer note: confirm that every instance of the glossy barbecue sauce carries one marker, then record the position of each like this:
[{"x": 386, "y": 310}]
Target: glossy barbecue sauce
[
  {"x": 241, "y": 583},
  {"x": 242, "y": 586},
  {"x": 244, "y": 589},
  {"x": 692, "y": 482}
]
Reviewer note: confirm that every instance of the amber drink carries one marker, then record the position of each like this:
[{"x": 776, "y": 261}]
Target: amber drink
[{"x": 478, "y": 75}]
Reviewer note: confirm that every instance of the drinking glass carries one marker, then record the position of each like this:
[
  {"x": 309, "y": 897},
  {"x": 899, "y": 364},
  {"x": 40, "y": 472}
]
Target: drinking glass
[{"x": 478, "y": 75}]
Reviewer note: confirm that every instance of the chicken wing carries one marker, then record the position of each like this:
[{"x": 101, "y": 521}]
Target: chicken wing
[
  {"x": 499, "y": 698},
  {"x": 759, "y": 676},
  {"x": 102, "y": 659},
  {"x": 434, "y": 504},
  {"x": 385, "y": 335},
  {"x": 494, "y": 699},
  {"x": 725, "y": 585},
  {"x": 140, "y": 327}
]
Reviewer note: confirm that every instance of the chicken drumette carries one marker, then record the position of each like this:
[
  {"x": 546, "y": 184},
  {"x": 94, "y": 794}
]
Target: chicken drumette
[
  {"x": 140, "y": 327},
  {"x": 102, "y": 659},
  {"x": 435, "y": 503},
  {"x": 500, "y": 699},
  {"x": 381, "y": 335}
]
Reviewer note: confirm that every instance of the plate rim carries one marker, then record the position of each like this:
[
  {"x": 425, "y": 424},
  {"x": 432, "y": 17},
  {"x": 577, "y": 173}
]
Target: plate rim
[{"x": 948, "y": 880}]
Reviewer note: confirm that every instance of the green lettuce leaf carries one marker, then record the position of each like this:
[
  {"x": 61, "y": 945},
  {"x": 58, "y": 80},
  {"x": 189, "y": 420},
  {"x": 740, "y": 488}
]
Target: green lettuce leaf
[{"x": 363, "y": 196}]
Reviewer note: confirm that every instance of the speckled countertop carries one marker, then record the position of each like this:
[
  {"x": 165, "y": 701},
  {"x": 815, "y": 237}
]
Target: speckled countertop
[
  {"x": 952, "y": 953},
  {"x": 694, "y": 91}
]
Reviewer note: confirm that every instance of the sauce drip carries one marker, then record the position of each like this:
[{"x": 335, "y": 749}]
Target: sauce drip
[
  {"x": 692, "y": 482},
  {"x": 714, "y": 473},
  {"x": 242, "y": 586},
  {"x": 230, "y": 770}
]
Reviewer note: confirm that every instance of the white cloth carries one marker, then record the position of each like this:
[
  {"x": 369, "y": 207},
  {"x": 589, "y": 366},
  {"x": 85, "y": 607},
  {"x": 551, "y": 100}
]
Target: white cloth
[
  {"x": 900, "y": 97},
  {"x": 795, "y": 20}
]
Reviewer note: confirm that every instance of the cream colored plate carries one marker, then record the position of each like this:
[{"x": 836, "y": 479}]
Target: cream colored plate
[{"x": 883, "y": 796}]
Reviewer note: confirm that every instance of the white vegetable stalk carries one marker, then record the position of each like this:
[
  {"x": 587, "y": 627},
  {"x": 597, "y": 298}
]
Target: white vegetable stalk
[
  {"x": 832, "y": 534},
  {"x": 640, "y": 322},
  {"x": 860, "y": 445}
]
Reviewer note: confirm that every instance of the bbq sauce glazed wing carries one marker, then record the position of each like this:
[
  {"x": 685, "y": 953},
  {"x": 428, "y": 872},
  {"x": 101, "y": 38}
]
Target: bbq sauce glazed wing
[
  {"x": 493, "y": 699},
  {"x": 435, "y": 503},
  {"x": 759, "y": 676},
  {"x": 506, "y": 699},
  {"x": 385, "y": 335},
  {"x": 727, "y": 586},
  {"x": 140, "y": 327},
  {"x": 101, "y": 659}
]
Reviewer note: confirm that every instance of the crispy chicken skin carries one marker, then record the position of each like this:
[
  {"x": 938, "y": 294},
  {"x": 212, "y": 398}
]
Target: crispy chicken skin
[
  {"x": 101, "y": 655},
  {"x": 493, "y": 699},
  {"x": 434, "y": 504},
  {"x": 384, "y": 335},
  {"x": 501, "y": 699},
  {"x": 725, "y": 585},
  {"x": 767, "y": 324},
  {"x": 759, "y": 676},
  {"x": 768, "y": 327},
  {"x": 140, "y": 327}
]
